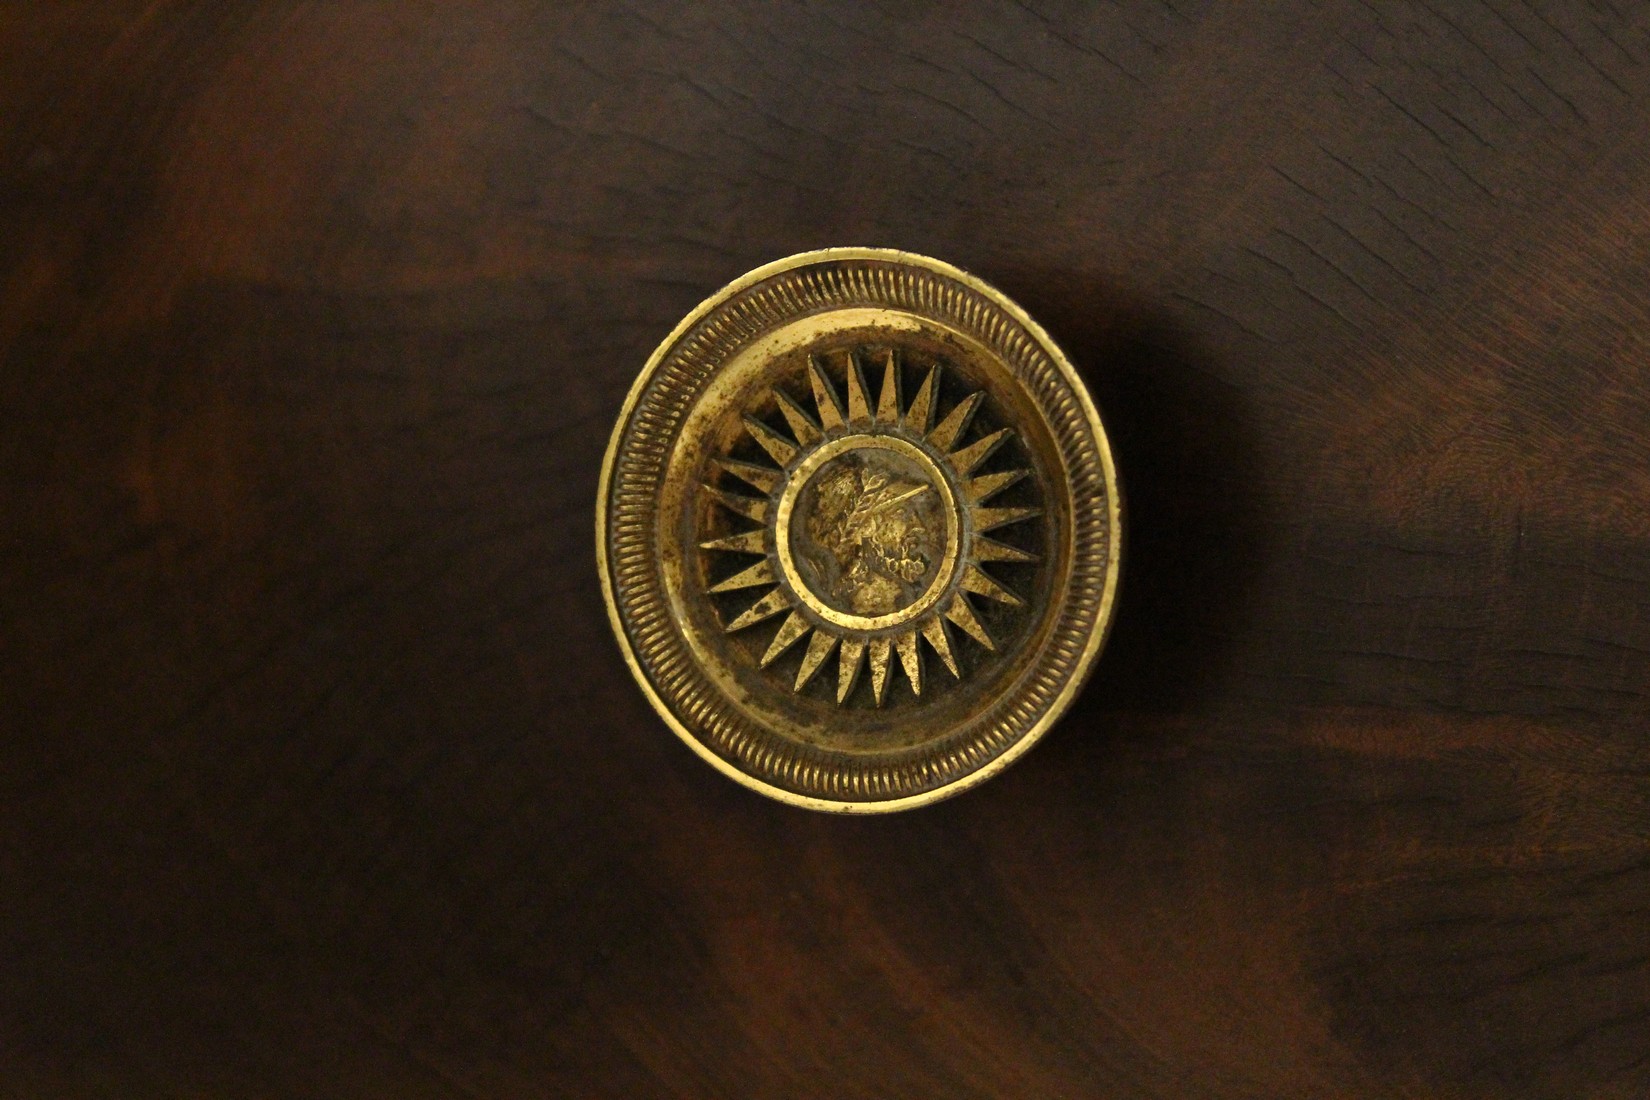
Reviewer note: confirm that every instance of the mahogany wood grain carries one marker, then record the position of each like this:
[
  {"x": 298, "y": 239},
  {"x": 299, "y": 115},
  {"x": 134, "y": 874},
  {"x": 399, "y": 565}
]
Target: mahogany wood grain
[{"x": 321, "y": 775}]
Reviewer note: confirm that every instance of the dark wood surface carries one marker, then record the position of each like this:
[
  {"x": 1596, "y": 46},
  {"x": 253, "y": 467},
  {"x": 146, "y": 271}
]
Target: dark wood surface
[{"x": 321, "y": 776}]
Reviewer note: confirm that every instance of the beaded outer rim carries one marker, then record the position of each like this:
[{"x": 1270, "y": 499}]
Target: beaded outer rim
[{"x": 628, "y": 512}]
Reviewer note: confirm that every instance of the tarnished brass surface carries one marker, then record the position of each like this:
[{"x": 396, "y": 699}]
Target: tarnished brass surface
[{"x": 859, "y": 530}]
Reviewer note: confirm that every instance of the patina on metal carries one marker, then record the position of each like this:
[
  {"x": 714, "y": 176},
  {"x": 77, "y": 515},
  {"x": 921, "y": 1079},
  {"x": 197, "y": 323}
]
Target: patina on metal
[{"x": 859, "y": 530}]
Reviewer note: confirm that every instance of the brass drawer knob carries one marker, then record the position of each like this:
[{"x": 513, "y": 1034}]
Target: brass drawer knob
[{"x": 859, "y": 530}]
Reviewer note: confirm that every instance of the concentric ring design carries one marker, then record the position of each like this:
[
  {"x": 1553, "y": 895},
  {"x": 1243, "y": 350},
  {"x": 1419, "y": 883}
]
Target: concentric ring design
[{"x": 634, "y": 576}]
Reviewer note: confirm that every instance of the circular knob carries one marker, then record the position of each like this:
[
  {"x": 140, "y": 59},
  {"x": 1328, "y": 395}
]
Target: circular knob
[{"x": 859, "y": 530}]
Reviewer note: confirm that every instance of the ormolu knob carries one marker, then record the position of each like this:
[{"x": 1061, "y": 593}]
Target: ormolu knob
[{"x": 859, "y": 530}]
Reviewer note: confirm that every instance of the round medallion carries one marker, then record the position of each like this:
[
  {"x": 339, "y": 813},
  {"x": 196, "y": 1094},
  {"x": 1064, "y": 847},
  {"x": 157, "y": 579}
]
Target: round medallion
[{"x": 859, "y": 530}]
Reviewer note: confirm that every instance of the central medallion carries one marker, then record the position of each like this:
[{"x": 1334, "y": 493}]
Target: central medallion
[
  {"x": 867, "y": 531},
  {"x": 872, "y": 530}
]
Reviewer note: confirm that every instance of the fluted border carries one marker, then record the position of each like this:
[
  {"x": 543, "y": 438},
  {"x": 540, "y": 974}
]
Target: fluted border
[{"x": 628, "y": 514}]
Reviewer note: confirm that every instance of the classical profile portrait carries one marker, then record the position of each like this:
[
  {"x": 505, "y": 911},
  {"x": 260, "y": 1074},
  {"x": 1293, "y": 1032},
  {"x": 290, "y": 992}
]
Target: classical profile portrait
[{"x": 871, "y": 532}]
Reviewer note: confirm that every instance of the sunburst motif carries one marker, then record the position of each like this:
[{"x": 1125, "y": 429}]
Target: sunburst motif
[{"x": 871, "y": 528}]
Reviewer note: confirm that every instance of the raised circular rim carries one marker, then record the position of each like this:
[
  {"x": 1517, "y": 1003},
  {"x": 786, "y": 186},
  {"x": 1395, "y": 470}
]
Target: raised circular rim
[{"x": 1080, "y": 667}]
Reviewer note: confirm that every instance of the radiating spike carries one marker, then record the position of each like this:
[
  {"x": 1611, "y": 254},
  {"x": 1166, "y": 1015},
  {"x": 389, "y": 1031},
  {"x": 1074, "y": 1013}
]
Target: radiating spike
[
  {"x": 819, "y": 648},
  {"x": 780, "y": 449},
  {"x": 976, "y": 452},
  {"x": 888, "y": 398},
  {"x": 985, "y": 519},
  {"x": 859, "y": 406},
  {"x": 940, "y": 639},
  {"x": 955, "y": 422},
  {"x": 963, "y": 615},
  {"x": 991, "y": 484},
  {"x": 749, "y": 507},
  {"x": 921, "y": 413},
  {"x": 789, "y": 634},
  {"x": 764, "y": 478},
  {"x": 853, "y": 650},
  {"x": 991, "y": 550},
  {"x": 760, "y": 573},
  {"x": 765, "y": 608},
  {"x": 830, "y": 407},
  {"x": 881, "y": 651},
  {"x": 796, "y": 417},
  {"x": 975, "y": 580},
  {"x": 748, "y": 542},
  {"x": 911, "y": 658}
]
